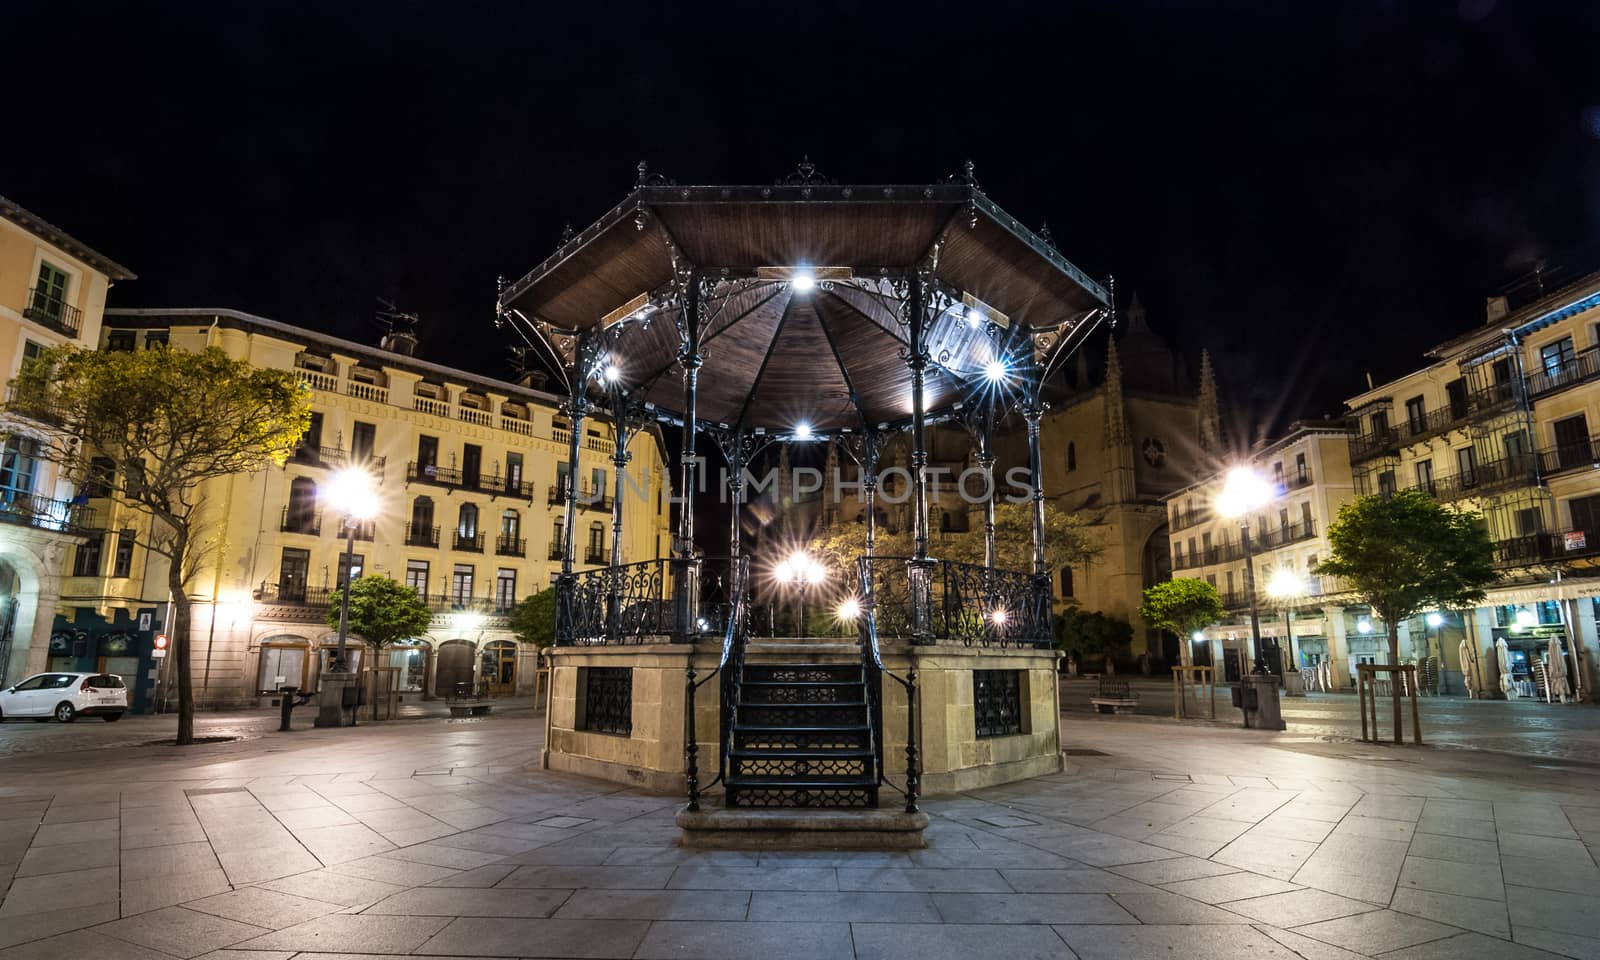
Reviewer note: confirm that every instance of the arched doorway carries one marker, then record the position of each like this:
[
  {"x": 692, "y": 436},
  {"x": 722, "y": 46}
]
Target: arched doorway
[
  {"x": 498, "y": 668},
  {"x": 454, "y": 667}
]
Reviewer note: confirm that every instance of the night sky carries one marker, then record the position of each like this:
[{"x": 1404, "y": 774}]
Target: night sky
[{"x": 1311, "y": 190}]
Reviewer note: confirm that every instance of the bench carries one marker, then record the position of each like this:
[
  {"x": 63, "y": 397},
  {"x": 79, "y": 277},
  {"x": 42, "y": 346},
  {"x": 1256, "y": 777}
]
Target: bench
[{"x": 1113, "y": 696}]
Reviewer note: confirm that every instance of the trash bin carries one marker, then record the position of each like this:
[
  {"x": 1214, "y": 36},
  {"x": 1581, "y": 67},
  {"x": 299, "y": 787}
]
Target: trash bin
[{"x": 1257, "y": 696}]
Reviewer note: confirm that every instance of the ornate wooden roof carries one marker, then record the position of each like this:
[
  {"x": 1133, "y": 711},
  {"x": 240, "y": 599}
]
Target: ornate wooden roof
[{"x": 829, "y": 354}]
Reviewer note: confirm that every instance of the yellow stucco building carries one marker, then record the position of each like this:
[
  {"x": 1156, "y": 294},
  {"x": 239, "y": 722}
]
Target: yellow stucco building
[
  {"x": 469, "y": 471},
  {"x": 52, "y": 291}
]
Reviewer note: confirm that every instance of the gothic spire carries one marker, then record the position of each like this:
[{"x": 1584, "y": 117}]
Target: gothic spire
[
  {"x": 1116, "y": 417},
  {"x": 1210, "y": 416}
]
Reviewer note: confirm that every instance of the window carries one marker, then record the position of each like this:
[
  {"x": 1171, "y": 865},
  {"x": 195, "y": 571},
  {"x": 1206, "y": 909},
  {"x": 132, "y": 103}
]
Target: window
[
  {"x": 417, "y": 576},
  {"x": 1192, "y": 552},
  {"x": 1283, "y": 522},
  {"x": 505, "y": 588},
  {"x": 997, "y": 702},
  {"x": 471, "y": 463},
  {"x": 1500, "y": 370},
  {"x": 467, "y": 522},
  {"x": 133, "y": 481},
  {"x": 1072, "y": 456},
  {"x": 1305, "y": 516},
  {"x": 557, "y": 543},
  {"x": 301, "y": 513},
  {"x": 1066, "y": 578},
  {"x": 49, "y": 294},
  {"x": 310, "y": 448},
  {"x": 597, "y": 539},
  {"x": 1211, "y": 578},
  {"x": 363, "y": 438},
  {"x": 1277, "y": 474},
  {"x": 351, "y": 563},
  {"x": 31, "y": 350},
  {"x": 1586, "y": 517},
  {"x": 1456, "y": 391},
  {"x": 1380, "y": 423},
  {"x": 1572, "y": 441},
  {"x": 18, "y": 466},
  {"x": 563, "y": 475},
  {"x": 1229, "y": 575},
  {"x": 102, "y": 475},
  {"x": 513, "y": 472},
  {"x": 1529, "y": 522},
  {"x": 1177, "y": 555},
  {"x": 427, "y": 453},
  {"x": 292, "y": 574},
  {"x": 1416, "y": 415},
  {"x": 122, "y": 563},
  {"x": 121, "y": 341},
  {"x": 1300, "y": 474},
  {"x": 86, "y": 562},
  {"x": 1425, "y": 476},
  {"x": 422, "y": 517},
  {"x": 1556, "y": 357},
  {"x": 461, "y": 583},
  {"x": 1516, "y": 448},
  {"x": 155, "y": 339},
  {"x": 607, "y": 694},
  {"x": 1386, "y": 484},
  {"x": 597, "y": 481},
  {"x": 1467, "y": 467}
]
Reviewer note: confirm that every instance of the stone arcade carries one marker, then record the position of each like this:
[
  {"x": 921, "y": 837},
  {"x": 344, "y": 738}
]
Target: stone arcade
[{"x": 806, "y": 312}]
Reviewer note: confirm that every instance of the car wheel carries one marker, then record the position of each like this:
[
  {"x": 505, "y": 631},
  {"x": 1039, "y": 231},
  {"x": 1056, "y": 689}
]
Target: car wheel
[
  {"x": 111, "y": 717},
  {"x": 65, "y": 712}
]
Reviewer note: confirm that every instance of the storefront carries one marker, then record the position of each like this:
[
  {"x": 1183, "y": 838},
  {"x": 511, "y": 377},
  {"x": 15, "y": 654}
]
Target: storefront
[{"x": 123, "y": 646}]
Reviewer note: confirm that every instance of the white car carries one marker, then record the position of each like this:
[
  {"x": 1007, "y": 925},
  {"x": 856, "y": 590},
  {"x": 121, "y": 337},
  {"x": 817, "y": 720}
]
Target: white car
[{"x": 65, "y": 696}]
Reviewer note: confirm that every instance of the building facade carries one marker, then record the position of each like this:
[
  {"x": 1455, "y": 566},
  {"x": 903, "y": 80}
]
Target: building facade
[
  {"x": 471, "y": 474},
  {"x": 1500, "y": 422},
  {"x": 1310, "y": 477},
  {"x": 52, "y": 291}
]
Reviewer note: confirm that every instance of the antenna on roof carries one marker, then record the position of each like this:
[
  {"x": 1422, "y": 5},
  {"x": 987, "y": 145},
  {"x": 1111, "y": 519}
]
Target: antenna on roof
[{"x": 399, "y": 329}]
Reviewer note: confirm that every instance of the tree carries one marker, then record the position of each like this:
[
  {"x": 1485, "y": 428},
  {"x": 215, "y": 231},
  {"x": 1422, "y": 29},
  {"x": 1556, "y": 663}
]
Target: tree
[
  {"x": 1403, "y": 553},
  {"x": 1067, "y": 540},
  {"x": 1181, "y": 606},
  {"x": 169, "y": 420},
  {"x": 382, "y": 611},
  {"x": 534, "y": 619},
  {"x": 1084, "y": 635}
]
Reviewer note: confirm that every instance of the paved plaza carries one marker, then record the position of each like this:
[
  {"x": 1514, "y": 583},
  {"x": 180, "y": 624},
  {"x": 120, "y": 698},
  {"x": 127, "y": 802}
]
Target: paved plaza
[{"x": 438, "y": 838}]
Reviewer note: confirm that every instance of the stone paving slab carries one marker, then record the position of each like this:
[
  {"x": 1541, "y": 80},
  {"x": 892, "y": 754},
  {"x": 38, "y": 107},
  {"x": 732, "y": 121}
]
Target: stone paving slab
[{"x": 442, "y": 840}]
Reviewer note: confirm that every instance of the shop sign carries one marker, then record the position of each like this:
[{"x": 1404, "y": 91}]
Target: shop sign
[{"x": 1574, "y": 540}]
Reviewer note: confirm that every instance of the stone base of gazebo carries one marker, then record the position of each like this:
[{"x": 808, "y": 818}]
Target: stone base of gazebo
[
  {"x": 617, "y": 713},
  {"x": 792, "y": 829}
]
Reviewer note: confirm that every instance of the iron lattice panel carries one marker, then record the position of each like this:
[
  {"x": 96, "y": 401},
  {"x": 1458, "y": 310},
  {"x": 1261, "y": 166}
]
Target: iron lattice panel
[
  {"x": 805, "y": 797},
  {"x": 820, "y": 673},
  {"x": 983, "y": 606},
  {"x": 608, "y": 700},
  {"x": 816, "y": 768},
  {"x": 997, "y": 698},
  {"x": 625, "y": 604},
  {"x": 803, "y": 740},
  {"x": 802, "y": 715},
  {"x": 840, "y": 693}
]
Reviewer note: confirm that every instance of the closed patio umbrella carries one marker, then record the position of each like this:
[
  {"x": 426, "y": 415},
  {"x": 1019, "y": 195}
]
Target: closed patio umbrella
[
  {"x": 1556, "y": 671},
  {"x": 1503, "y": 655},
  {"x": 1467, "y": 663}
]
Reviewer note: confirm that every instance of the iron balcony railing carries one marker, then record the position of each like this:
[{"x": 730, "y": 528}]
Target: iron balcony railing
[
  {"x": 298, "y": 594},
  {"x": 421, "y": 535},
  {"x": 303, "y": 521},
  {"x": 966, "y": 603},
  {"x": 44, "y": 513},
  {"x": 462, "y": 602},
  {"x": 556, "y": 550},
  {"x": 493, "y": 484},
  {"x": 508, "y": 546},
  {"x": 1367, "y": 445},
  {"x": 1296, "y": 480},
  {"x": 588, "y": 497},
  {"x": 1183, "y": 519},
  {"x": 1583, "y": 367},
  {"x": 53, "y": 312},
  {"x": 1573, "y": 455},
  {"x": 594, "y": 554},
  {"x": 1481, "y": 479},
  {"x": 470, "y": 543},
  {"x": 365, "y": 530}
]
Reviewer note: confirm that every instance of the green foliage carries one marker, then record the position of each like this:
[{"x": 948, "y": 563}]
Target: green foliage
[
  {"x": 1181, "y": 606},
  {"x": 168, "y": 420},
  {"x": 1405, "y": 553},
  {"x": 1085, "y": 635},
  {"x": 382, "y": 611},
  {"x": 1067, "y": 540},
  {"x": 534, "y": 619}
]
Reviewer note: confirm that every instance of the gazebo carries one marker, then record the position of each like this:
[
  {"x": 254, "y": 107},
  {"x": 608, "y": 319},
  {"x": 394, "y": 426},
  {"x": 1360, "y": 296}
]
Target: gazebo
[{"x": 804, "y": 311}]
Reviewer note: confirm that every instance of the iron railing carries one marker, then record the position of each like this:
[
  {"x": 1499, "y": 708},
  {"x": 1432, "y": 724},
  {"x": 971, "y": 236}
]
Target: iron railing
[
  {"x": 467, "y": 542},
  {"x": 297, "y": 594},
  {"x": 869, "y": 575},
  {"x": 625, "y": 604},
  {"x": 1183, "y": 519},
  {"x": 509, "y": 546},
  {"x": 944, "y": 600},
  {"x": 1584, "y": 366},
  {"x": 730, "y": 667},
  {"x": 493, "y": 484},
  {"x": 421, "y": 535},
  {"x": 556, "y": 550},
  {"x": 44, "y": 513},
  {"x": 594, "y": 554},
  {"x": 53, "y": 312},
  {"x": 308, "y": 522}
]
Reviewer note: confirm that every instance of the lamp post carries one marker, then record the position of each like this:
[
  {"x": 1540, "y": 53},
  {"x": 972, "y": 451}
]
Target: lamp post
[
  {"x": 800, "y": 571},
  {"x": 1286, "y": 587},
  {"x": 1243, "y": 493},
  {"x": 1433, "y": 622},
  {"x": 352, "y": 494}
]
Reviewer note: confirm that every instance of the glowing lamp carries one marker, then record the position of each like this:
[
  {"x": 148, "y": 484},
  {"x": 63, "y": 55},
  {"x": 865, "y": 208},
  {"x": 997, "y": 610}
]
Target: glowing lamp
[
  {"x": 1199, "y": 636},
  {"x": 803, "y": 282},
  {"x": 351, "y": 493},
  {"x": 802, "y": 431},
  {"x": 1244, "y": 490},
  {"x": 1364, "y": 625},
  {"x": 974, "y": 317},
  {"x": 1526, "y": 619},
  {"x": 998, "y": 618},
  {"x": 1435, "y": 620},
  {"x": 995, "y": 370},
  {"x": 850, "y": 609},
  {"x": 1285, "y": 585},
  {"x": 613, "y": 373}
]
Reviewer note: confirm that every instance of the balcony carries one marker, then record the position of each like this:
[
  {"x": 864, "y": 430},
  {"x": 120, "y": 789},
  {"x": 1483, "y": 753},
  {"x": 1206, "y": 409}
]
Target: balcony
[
  {"x": 1369, "y": 445},
  {"x": 1285, "y": 534},
  {"x": 555, "y": 550},
  {"x": 1577, "y": 455},
  {"x": 421, "y": 536},
  {"x": 1297, "y": 480},
  {"x": 43, "y": 513},
  {"x": 463, "y": 602},
  {"x": 494, "y": 484},
  {"x": 1183, "y": 519},
  {"x": 362, "y": 390},
  {"x": 588, "y": 498},
  {"x": 516, "y": 425},
  {"x": 303, "y": 521},
  {"x": 365, "y": 530},
  {"x": 510, "y": 546},
  {"x": 1525, "y": 550},
  {"x": 1583, "y": 367},
  {"x": 594, "y": 555},
  {"x": 468, "y": 543},
  {"x": 296, "y": 594},
  {"x": 46, "y": 310},
  {"x": 470, "y": 415},
  {"x": 317, "y": 380},
  {"x": 438, "y": 408}
]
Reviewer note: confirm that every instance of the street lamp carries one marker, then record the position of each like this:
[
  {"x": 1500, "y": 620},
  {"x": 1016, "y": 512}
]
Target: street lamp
[
  {"x": 1433, "y": 622},
  {"x": 1244, "y": 492},
  {"x": 351, "y": 492},
  {"x": 1286, "y": 587},
  {"x": 801, "y": 571}
]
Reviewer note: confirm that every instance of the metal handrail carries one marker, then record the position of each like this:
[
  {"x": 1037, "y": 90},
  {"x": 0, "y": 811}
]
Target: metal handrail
[
  {"x": 872, "y": 660},
  {"x": 733, "y": 641}
]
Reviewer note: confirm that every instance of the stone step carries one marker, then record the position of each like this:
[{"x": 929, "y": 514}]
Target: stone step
[{"x": 804, "y": 829}]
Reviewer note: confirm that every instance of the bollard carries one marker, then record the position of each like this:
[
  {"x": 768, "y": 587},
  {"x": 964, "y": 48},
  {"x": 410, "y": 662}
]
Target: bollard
[{"x": 287, "y": 701}]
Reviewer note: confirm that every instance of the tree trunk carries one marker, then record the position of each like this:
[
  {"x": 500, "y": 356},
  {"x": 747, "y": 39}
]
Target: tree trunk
[
  {"x": 178, "y": 635},
  {"x": 1394, "y": 678}
]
